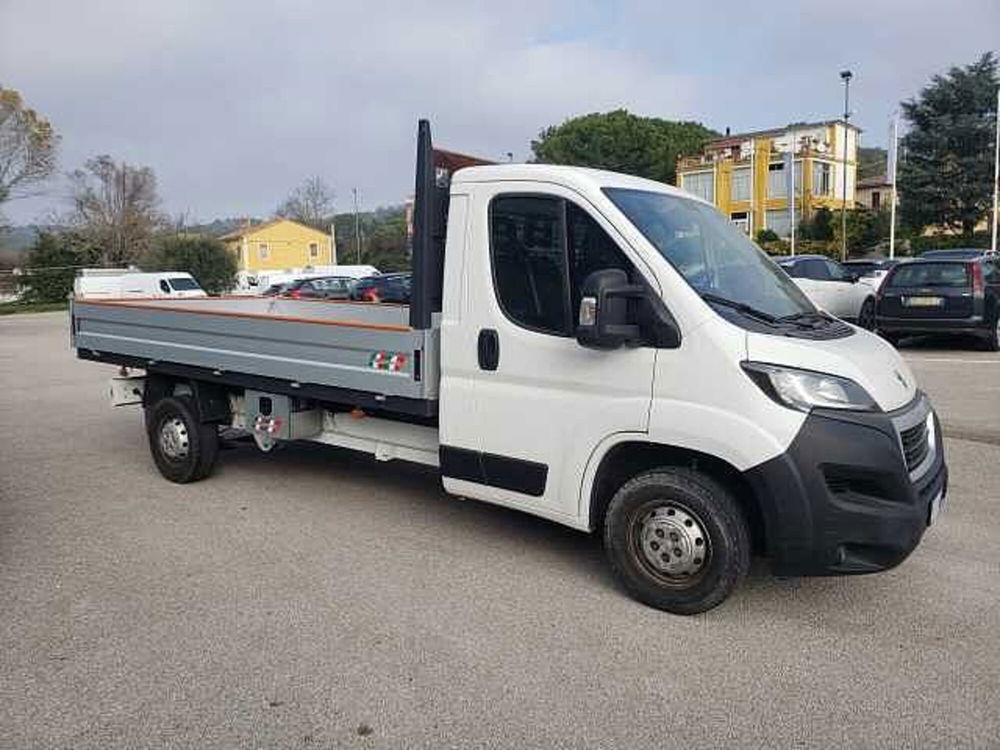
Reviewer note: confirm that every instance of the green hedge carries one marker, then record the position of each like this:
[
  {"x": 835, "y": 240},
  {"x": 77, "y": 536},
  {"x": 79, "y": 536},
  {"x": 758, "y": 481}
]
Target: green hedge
[{"x": 946, "y": 241}]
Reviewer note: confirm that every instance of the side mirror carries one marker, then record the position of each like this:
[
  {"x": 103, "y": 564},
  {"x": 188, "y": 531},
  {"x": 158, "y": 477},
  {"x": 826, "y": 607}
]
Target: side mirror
[{"x": 604, "y": 321}]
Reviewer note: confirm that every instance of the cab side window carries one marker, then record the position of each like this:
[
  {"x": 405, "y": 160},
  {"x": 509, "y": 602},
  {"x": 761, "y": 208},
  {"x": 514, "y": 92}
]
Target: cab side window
[
  {"x": 543, "y": 248},
  {"x": 529, "y": 261},
  {"x": 590, "y": 249},
  {"x": 163, "y": 287}
]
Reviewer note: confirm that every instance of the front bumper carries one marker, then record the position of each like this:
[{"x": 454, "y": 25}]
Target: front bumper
[
  {"x": 976, "y": 325},
  {"x": 842, "y": 500}
]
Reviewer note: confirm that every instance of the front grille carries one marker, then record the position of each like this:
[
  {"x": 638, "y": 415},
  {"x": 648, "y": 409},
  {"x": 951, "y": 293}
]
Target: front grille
[{"x": 915, "y": 444}]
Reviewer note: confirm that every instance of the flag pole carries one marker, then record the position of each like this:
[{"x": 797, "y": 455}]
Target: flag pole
[{"x": 892, "y": 210}]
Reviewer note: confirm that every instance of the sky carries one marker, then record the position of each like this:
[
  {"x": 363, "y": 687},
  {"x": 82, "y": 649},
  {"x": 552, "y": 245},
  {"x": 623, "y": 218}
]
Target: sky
[{"x": 235, "y": 102}]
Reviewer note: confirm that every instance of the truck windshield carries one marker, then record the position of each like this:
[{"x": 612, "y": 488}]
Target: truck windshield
[{"x": 712, "y": 255}]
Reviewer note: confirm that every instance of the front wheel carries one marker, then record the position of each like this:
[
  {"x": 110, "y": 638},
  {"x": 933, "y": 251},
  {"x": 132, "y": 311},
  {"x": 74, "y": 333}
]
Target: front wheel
[
  {"x": 183, "y": 448},
  {"x": 677, "y": 540}
]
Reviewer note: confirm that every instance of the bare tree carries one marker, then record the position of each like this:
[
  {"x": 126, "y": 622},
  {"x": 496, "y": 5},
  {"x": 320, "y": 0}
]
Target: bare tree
[
  {"x": 27, "y": 147},
  {"x": 116, "y": 205},
  {"x": 310, "y": 203}
]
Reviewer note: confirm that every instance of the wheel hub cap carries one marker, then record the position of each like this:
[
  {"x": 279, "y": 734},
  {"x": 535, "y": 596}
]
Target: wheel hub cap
[
  {"x": 174, "y": 439},
  {"x": 673, "y": 541}
]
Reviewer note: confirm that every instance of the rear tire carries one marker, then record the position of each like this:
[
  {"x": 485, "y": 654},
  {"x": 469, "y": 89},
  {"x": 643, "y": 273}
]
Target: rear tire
[
  {"x": 677, "y": 540},
  {"x": 992, "y": 342},
  {"x": 892, "y": 338},
  {"x": 866, "y": 317},
  {"x": 183, "y": 448}
]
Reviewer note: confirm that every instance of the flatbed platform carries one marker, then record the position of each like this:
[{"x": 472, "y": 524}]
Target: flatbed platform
[{"x": 354, "y": 346}]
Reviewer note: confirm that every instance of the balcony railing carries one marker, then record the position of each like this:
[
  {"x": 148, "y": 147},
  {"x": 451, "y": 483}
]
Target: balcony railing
[{"x": 709, "y": 160}]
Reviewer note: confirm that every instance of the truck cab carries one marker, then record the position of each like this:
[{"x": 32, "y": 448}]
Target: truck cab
[{"x": 601, "y": 331}]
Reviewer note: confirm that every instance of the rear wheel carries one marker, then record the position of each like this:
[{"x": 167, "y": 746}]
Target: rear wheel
[
  {"x": 866, "y": 318},
  {"x": 992, "y": 343},
  {"x": 183, "y": 448},
  {"x": 677, "y": 540}
]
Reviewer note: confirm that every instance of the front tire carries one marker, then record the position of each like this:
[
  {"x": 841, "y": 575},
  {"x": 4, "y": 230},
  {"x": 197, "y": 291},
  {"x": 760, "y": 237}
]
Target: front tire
[
  {"x": 677, "y": 540},
  {"x": 183, "y": 448}
]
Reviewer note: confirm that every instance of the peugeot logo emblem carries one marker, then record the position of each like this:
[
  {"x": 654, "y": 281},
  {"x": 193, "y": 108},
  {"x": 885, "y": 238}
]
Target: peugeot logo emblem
[{"x": 901, "y": 379}]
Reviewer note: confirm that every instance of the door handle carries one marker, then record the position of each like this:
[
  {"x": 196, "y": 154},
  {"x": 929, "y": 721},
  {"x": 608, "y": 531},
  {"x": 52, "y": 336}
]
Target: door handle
[{"x": 489, "y": 349}]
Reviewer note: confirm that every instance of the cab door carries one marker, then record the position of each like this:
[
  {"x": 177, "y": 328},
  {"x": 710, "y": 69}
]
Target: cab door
[{"x": 542, "y": 402}]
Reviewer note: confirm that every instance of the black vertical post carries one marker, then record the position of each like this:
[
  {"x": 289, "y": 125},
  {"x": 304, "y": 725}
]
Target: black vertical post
[{"x": 427, "y": 260}]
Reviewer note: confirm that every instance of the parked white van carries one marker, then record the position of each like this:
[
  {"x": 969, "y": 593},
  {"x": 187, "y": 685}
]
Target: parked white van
[{"x": 100, "y": 283}]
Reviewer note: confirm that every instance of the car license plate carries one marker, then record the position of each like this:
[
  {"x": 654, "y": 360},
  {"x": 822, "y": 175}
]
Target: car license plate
[
  {"x": 936, "y": 505},
  {"x": 923, "y": 301}
]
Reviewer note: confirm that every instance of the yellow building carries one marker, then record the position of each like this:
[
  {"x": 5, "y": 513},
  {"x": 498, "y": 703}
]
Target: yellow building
[
  {"x": 279, "y": 244},
  {"x": 745, "y": 176}
]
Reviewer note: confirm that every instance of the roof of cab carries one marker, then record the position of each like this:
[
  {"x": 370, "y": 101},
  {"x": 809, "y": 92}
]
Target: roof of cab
[{"x": 582, "y": 179}]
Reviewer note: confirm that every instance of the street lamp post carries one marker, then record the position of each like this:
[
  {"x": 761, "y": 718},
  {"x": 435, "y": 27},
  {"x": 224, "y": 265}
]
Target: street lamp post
[{"x": 845, "y": 76}]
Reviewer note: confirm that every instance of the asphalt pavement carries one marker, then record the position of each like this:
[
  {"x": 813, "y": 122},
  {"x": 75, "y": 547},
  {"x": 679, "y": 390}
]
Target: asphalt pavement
[{"x": 314, "y": 598}]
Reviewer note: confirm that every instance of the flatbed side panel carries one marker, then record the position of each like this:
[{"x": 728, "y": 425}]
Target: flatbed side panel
[
  {"x": 334, "y": 312},
  {"x": 379, "y": 360}
]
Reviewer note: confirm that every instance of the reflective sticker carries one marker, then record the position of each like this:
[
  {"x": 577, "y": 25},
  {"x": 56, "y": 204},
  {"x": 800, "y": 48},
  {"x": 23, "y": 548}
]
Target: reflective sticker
[
  {"x": 268, "y": 425},
  {"x": 391, "y": 361}
]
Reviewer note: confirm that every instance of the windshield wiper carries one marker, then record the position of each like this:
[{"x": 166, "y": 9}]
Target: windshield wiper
[
  {"x": 748, "y": 310},
  {"x": 806, "y": 315}
]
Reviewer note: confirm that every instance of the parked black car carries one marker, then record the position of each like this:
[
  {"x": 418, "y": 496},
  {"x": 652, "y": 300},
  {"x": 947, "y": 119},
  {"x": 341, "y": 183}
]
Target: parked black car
[
  {"x": 389, "y": 287},
  {"x": 942, "y": 296},
  {"x": 322, "y": 287}
]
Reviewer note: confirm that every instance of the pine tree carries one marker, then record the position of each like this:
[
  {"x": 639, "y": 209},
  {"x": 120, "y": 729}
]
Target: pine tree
[{"x": 946, "y": 176}]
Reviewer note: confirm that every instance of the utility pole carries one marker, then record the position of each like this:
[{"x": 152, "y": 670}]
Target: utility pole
[
  {"x": 357, "y": 226},
  {"x": 893, "y": 161},
  {"x": 791, "y": 196},
  {"x": 996, "y": 175},
  {"x": 845, "y": 76}
]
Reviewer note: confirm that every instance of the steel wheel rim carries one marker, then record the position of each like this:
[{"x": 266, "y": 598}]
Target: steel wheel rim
[
  {"x": 670, "y": 543},
  {"x": 175, "y": 442}
]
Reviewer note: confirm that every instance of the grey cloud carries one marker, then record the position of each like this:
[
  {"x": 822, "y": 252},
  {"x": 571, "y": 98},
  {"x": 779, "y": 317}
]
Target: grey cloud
[{"x": 233, "y": 103}]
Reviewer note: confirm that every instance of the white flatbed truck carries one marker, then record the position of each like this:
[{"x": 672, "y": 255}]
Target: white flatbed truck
[{"x": 597, "y": 349}]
